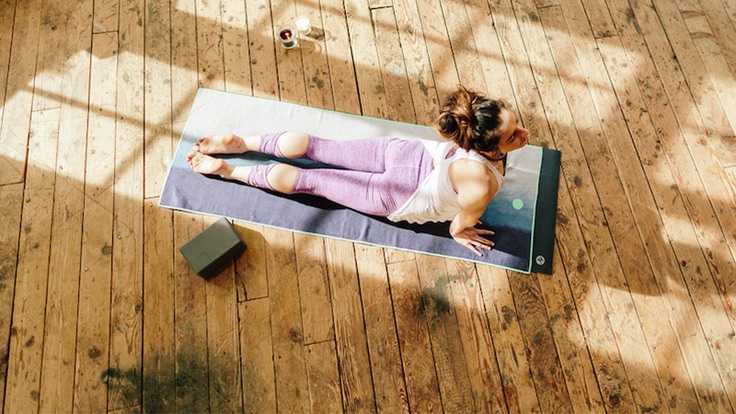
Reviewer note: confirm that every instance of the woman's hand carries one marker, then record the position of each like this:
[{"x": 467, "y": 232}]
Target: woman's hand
[{"x": 473, "y": 239}]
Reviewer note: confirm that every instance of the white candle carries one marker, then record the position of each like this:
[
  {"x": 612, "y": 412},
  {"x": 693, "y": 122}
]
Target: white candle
[{"x": 303, "y": 25}]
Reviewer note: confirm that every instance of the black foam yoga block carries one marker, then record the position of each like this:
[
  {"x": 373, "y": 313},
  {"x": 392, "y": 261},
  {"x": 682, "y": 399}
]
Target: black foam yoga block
[{"x": 211, "y": 250}]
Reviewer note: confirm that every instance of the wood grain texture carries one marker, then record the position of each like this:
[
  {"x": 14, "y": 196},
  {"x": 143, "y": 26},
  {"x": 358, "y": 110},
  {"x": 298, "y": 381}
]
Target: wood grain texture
[
  {"x": 11, "y": 200},
  {"x": 95, "y": 284},
  {"x": 100, "y": 311},
  {"x": 20, "y": 71},
  {"x": 57, "y": 377}
]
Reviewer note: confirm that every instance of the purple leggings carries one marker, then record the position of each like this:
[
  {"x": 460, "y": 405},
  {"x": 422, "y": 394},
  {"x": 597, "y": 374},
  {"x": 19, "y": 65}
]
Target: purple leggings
[{"x": 375, "y": 176}]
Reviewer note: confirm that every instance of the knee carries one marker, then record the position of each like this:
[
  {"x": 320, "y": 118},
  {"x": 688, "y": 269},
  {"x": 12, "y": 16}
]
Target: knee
[
  {"x": 282, "y": 178},
  {"x": 293, "y": 144}
]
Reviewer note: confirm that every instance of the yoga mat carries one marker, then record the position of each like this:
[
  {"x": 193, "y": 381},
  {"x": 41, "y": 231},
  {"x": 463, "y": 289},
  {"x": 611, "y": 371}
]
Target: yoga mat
[{"x": 522, "y": 214}]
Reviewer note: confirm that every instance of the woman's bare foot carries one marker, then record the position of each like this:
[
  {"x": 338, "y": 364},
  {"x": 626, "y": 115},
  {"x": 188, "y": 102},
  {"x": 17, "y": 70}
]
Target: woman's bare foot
[
  {"x": 220, "y": 144},
  {"x": 204, "y": 164}
]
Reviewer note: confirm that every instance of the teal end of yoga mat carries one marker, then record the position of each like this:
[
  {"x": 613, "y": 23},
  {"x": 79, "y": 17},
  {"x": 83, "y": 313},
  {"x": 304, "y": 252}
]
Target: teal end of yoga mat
[{"x": 546, "y": 212}]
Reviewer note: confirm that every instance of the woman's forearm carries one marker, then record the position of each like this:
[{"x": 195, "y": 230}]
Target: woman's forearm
[{"x": 462, "y": 221}]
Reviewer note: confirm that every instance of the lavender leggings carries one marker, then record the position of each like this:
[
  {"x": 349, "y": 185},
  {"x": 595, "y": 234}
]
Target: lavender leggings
[{"x": 374, "y": 175}]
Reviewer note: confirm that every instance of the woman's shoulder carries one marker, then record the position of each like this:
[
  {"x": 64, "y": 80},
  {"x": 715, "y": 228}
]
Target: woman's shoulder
[
  {"x": 470, "y": 159},
  {"x": 492, "y": 167},
  {"x": 470, "y": 174}
]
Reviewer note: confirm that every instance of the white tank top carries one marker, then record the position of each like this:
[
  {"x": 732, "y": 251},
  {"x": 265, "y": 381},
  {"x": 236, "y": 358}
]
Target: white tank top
[{"x": 436, "y": 199}]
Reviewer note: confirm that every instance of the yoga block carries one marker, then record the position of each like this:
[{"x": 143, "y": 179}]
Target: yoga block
[{"x": 211, "y": 250}]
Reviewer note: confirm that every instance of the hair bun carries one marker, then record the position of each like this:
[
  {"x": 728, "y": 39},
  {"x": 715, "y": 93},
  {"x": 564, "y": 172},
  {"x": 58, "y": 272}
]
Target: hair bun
[
  {"x": 470, "y": 119},
  {"x": 448, "y": 123}
]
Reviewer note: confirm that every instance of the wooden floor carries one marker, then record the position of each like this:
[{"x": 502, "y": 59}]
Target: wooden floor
[{"x": 99, "y": 311}]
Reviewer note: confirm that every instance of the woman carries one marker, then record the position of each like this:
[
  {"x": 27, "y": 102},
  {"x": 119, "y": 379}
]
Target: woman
[{"x": 412, "y": 180}]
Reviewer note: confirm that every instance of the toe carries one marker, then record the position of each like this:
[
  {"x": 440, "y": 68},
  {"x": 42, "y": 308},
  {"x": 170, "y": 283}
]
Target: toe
[
  {"x": 201, "y": 143},
  {"x": 195, "y": 160}
]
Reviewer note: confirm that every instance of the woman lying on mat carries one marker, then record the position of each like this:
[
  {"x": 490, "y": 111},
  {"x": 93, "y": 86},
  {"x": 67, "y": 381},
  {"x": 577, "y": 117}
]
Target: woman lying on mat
[{"x": 413, "y": 180}]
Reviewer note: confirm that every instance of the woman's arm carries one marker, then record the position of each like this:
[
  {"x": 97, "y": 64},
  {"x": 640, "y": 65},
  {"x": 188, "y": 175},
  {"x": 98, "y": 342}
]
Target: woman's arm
[{"x": 475, "y": 188}]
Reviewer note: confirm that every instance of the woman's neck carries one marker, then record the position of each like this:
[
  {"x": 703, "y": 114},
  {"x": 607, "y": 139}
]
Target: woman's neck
[{"x": 494, "y": 157}]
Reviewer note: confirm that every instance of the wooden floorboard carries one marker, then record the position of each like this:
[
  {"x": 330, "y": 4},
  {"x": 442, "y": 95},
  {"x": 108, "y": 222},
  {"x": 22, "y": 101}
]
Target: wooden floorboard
[{"x": 100, "y": 312}]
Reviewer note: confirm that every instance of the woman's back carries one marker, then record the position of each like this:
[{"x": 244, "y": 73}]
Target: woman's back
[{"x": 437, "y": 197}]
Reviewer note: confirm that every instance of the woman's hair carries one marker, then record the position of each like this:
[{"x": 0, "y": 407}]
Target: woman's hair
[{"x": 471, "y": 120}]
